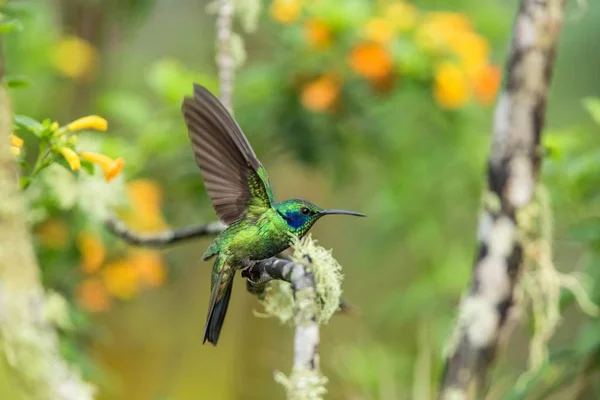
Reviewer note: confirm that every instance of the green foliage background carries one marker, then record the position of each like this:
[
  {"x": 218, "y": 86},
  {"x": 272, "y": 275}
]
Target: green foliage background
[{"x": 414, "y": 169}]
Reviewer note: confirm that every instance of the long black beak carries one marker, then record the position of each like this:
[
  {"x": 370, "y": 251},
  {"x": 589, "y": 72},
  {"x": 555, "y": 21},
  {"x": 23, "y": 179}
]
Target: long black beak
[{"x": 345, "y": 212}]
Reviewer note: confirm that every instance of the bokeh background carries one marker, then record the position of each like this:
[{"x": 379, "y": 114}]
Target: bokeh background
[{"x": 383, "y": 107}]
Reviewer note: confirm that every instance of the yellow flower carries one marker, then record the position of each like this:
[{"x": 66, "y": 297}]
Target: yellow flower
[
  {"x": 92, "y": 295},
  {"x": 320, "y": 94},
  {"x": 286, "y": 11},
  {"x": 75, "y": 58},
  {"x": 371, "y": 61},
  {"x": 53, "y": 234},
  {"x": 317, "y": 33},
  {"x": 472, "y": 50},
  {"x": 451, "y": 86},
  {"x": 486, "y": 84},
  {"x": 438, "y": 29},
  {"x": 92, "y": 252},
  {"x": 121, "y": 279},
  {"x": 402, "y": 15},
  {"x": 16, "y": 141},
  {"x": 450, "y": 20},
  {"x": 149, "y": 266},
  {"x": 16, "y": 144},
  {"x": 71, "y": 157},
  {"x": 379, "y": 30},
  {"x": 90, "y": 122},
  {"x": 112, "y": 168}
]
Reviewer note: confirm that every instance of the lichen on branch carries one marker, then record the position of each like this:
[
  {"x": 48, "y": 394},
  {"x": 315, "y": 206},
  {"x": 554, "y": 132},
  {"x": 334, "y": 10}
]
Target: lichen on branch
[{"x": 279, "y": 301}]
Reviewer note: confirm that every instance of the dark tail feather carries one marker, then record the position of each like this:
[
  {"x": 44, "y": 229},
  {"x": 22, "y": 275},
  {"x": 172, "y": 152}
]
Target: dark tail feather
[{"x": 216, "y": 316}]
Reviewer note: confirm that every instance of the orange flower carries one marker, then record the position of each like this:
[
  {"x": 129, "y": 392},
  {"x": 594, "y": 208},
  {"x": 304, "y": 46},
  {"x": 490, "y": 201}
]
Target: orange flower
[
  {"x": 320, "y": 94},
  {"x": 112, "y": 168},
  {"x": 121, "y": 279},
  {"x": 451, "y": 86},
  {"x": 286, "y": 11},
  {"x": 371, "y": 61},
  {"x": 379, "y": 30},
  {"x": 317, "y": 33},
  {"x": 145, "y": 198},
  {"x": 92, "y": 251},
  {"x": 92, "y": 296},
  {"x": 93, "y": 122},
  {"x": 402, "y": 15},
  {"x": 53, "y": 234},
  {"x": 149, "y": 266},
  {"x": 486, "y": 84},
  {"x": 71, "y": 157}
]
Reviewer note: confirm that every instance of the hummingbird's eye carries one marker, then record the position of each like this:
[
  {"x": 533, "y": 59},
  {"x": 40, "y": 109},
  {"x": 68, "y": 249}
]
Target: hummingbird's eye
[{"x": 305, "y": 211}]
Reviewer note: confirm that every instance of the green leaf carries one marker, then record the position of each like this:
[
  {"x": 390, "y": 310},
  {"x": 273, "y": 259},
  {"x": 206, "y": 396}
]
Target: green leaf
[
  {"x": 10, "y": 25},
  {"x": 25, "y": 182},
  {"x": 17, "y": 81},
  {"x": 592, "y": 105},
  {"x": 29, "y": 124},
  {"x": 87, "y": 166},
  {"x": 171, "y": 80},
  {"x": 587, "y": 231},
  {"x": 129, "y": 108},
  {"x": 588, "y": 339}
]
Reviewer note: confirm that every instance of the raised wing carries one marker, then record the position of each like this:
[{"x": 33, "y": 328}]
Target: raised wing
[{"x": 234, "y": 178}]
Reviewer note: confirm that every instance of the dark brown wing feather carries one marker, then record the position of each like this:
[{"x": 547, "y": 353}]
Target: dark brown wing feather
[{"x": 233, "y": 176}]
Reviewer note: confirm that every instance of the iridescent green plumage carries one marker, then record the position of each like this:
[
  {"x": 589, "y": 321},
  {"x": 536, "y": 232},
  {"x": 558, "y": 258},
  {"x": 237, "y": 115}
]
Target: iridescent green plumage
[{"x": 241, "y": 195}]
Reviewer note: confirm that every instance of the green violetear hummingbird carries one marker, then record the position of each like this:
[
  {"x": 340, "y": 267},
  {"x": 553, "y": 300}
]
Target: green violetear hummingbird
[{"x": 240, "y": 192}]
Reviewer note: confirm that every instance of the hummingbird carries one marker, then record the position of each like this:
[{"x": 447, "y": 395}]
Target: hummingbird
[{"x": 240, "y": 193}]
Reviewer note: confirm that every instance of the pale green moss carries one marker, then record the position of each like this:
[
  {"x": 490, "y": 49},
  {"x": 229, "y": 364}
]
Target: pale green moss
[
  {"x": 541, "y": 283},
  {"x": 303, "y": 384},
  {"x": 327, "y": 272},
  {"x": 29, "y": 348},
  {"x": 279, "y": 301}
]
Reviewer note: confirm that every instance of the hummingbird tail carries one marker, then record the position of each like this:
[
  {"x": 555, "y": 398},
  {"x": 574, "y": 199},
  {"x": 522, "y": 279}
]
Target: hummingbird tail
[{"x": 217, "y": 312}]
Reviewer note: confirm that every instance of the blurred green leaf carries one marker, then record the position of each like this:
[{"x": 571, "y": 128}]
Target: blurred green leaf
[
  {"x": 17, "y": 81},
  {"x": 592, "y": 105},
  {"x": 588, "y": 339},
  {"x": 88, "y": 167},
  {"x": 10, "y": 25},
  {"x": 133, "y": 110},
  {"x": 587, "y": 231},
  {"x": 171, "y": 81},
  {"x": 30, "y": 125}
]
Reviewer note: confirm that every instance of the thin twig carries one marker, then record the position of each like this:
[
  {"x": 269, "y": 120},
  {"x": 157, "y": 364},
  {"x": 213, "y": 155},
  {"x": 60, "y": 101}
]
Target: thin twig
[
  {"x": 513, "y": 171},
  {"x": 164, "y": 238},
  {"x": 225, "y": 60}
]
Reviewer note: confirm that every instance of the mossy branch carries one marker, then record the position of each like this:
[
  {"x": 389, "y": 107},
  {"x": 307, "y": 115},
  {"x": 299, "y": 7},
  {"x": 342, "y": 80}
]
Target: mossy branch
[
  {"x": 513, "y": 172},
  {"x": 30, "y": 360},
  {"x": 307, "y": 289}
]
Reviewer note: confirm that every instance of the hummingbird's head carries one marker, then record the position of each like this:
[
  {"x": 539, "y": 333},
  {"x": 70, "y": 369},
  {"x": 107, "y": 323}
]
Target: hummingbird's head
[{"x": 300, "y": 215}]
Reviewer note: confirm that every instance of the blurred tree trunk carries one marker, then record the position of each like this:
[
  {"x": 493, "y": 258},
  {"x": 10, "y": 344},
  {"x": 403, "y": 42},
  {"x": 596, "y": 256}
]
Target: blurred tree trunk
[
  {"x": 512, "y": 177},
  {"x": 31, "y": 366}
]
